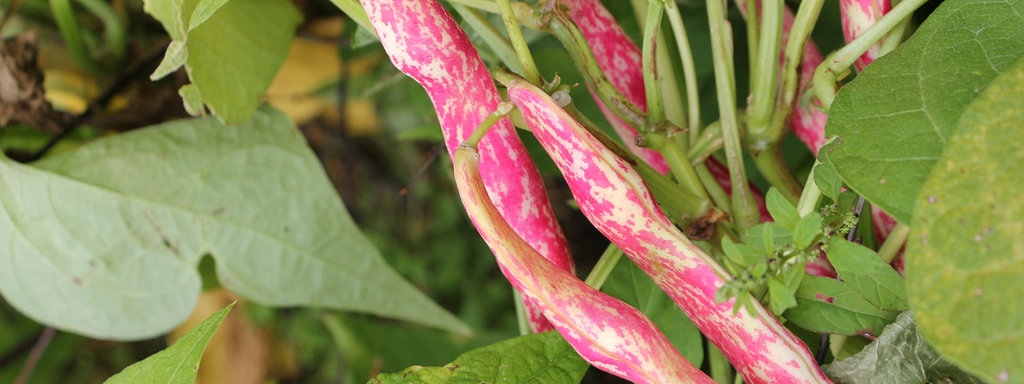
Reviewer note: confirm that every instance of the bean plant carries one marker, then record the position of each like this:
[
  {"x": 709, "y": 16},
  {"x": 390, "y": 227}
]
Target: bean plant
[{"x": 791, "y": 192}]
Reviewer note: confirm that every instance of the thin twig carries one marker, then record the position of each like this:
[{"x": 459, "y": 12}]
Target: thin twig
[
  {"x": 857, "y": 212},
  {"x": 10, "y": 12},
  {"x": 68, "y": 126},
  {"x": 822, "y": 349},
  {"x": 37, "y": 352}
]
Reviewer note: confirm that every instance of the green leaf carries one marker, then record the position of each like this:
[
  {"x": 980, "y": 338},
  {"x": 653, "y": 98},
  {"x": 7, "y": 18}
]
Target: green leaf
[
  {"x": 828, "y": 181},
  {"x": 828, "y": 305},
  {"x": 630, "y": 284},
  {"x": 104, "y": 241},
  {"x": 874, "y": 279},
  {"x": 179, "y": 363},
  {"x": 192, "y": 99},
  {"x": 965, "y": 254},
  {"x": 169, "y": 14},
  {"x": 781, "y": 297},
  {"x": 895, "y": 118},
  {"x": 537, "y": 358},
  {"x": 233, "y": 57},
  {"x": 203, "y": 11},
  {"x": 783, "y": 212},
  {"x": 768, "y": 240},
  {"x": 807, "y": 230},
  {"x": 742, "y": 255},
  {"x": 899, "y": 355},
  {"x": 230, "y": 49}
]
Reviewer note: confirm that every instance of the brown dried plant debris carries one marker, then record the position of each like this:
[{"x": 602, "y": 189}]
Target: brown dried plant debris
[{"x": 21, "y": 86}]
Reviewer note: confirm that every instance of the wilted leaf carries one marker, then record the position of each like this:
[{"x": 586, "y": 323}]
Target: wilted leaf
[
  {"x": 899, "y": 355},
  {"x": 965, "y": 254},
  {"x": 104, "y": 241}
]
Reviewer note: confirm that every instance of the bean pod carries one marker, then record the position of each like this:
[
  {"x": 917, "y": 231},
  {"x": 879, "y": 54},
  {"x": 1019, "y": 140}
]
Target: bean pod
[
  {"x": 606, "y": 332},
  {"x": 613, "y": 196},
  {"x": 423, "y": 41}
]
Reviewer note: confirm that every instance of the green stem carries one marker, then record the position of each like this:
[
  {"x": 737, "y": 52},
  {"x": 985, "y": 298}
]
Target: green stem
[
  {"x": 672, "y": 103},
  {"x": 681, "y": 167},
  {"x": 490, "y": 35},
  {"x": 773, "y": 167},
  {"x": 763, "y": 86},
  {"x": 752, "y": 36},
  {"x": 64, "y": 15},
  {"x": 563, "y": 28},
  {"x": 604, "y": 267},
  {"x": 715, "y": 190},
  {"x": 839, "y": 62},
  {"x": 521, "y": 316},
  {"x": 810, "y": 196},
  {"x": 709, "y": 141},
  {"x": 796, "y": 46},
  {"x": 485, "y": 126},
  {"x": 655, "y": 107},
  {"x": 744, "y": 208},
  {"x": 892, "y": 245},
  {"x": 689, "y": 69},
  {"x": 508, "y": 16}
]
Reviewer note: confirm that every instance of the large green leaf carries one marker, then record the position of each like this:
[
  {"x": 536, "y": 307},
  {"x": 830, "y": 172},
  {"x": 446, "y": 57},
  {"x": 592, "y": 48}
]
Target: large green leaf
[
  {"x": 179, "y": 363},
  {"x": 536, "y": 358},
  {"x": 899, "y": 355},
  {"x": 630, "y": 284},
  {"x": 104, "y": 241},
  {"x": 896, "y": 117},
  {"x": 965, "y": 254},
  {"x": 231, "y": 49}
]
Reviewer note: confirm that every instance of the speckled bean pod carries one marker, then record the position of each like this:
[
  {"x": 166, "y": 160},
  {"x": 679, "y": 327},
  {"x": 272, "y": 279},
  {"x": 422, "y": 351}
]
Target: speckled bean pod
[
  {"x": 613, "y": 196},
  {"x": 606, "y": 332},
  {"x": 423, "y": 41}
]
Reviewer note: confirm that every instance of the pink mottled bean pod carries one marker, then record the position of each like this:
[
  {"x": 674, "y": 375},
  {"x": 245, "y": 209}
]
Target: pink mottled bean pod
[
  {"x": 613, "y": 196},
  {"x": 859, "y": 15},
  {"x": 423, "y": 41},
  {"x": 606, "y": 332}
]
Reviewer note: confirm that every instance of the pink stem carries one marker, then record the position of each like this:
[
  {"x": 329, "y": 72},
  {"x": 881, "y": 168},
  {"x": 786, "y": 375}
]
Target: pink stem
[{"x": 423, "y": 41}]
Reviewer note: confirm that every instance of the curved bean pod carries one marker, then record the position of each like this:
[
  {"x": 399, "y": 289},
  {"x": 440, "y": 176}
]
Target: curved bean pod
[
  {"x": 613, "y": 196},
  {"x": 424, "y": 42},
  {"x": 606, "y": 332}
]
